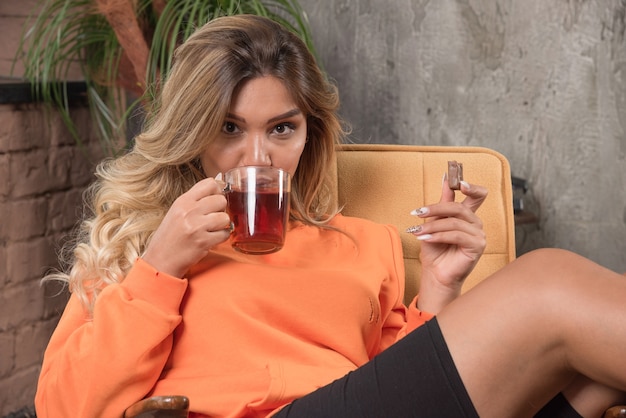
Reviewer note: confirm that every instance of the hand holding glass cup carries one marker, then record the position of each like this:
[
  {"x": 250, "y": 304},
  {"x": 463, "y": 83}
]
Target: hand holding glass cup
[{"x": 258, "y": 206}]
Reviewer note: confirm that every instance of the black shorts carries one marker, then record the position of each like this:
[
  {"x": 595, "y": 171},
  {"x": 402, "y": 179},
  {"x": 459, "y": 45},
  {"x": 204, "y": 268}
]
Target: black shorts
[{"x": 415, "y": 377}]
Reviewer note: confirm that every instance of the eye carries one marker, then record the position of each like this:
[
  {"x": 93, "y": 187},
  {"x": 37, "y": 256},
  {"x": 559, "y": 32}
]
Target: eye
[
  {"x": 284, "y": 129},
  {"x": 230, "y": 128}
]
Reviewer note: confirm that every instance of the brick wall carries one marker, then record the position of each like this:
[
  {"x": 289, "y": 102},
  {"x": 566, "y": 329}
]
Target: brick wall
[
  {"x": 13, "y": 14},
  {"x": 42, "y": 176}
]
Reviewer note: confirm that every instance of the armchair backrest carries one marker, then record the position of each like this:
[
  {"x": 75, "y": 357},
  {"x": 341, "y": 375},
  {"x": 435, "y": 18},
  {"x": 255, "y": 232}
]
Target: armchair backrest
[{"x": 384, "y": 183}]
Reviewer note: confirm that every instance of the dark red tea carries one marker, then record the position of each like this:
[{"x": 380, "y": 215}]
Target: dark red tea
[{"x": 260, "y": 220}]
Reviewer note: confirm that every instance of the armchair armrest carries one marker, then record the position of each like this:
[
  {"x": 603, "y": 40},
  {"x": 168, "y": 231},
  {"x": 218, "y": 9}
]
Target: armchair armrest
[
  {"x": 175, "y": 406},
  {"x": 618, "y": 411}
]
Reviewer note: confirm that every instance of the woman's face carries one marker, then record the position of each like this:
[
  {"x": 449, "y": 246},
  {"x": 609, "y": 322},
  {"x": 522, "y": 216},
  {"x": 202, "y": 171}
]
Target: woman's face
[{"x": 263, "y": 127}]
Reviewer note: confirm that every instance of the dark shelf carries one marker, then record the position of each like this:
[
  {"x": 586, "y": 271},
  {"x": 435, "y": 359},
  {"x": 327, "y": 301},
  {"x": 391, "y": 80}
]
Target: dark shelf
[{"x": 14, "y": 91}]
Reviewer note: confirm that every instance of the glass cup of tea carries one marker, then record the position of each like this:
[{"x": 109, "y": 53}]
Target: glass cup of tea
[{"x": 258, "y": 206}]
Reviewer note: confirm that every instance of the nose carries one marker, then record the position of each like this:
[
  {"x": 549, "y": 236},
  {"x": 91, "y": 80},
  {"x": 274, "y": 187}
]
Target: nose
[{"x": 256, "y": 151}]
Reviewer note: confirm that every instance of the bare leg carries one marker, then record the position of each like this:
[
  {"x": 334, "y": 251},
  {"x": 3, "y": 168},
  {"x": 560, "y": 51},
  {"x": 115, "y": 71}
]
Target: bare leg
[
  {"x": 590, "y": 399},
  {"x": 533, "y": 328}
]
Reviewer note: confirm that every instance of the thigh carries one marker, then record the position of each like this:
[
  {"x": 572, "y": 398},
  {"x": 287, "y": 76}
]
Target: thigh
[
  {"x": 527, "y": 331},
  {"x": 415, "y": 377}
]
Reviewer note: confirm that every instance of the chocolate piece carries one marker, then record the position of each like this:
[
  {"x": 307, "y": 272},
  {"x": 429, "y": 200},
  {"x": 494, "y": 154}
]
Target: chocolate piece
[{"x": 455, "y": 175}]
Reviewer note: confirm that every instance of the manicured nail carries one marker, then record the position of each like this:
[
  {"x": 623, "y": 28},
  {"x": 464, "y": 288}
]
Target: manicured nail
[
  {"x": 465, "y": 184},
  {"x": 444, "y": 178},
  {"x": 420, "y": 211},
  {"x": 414, "y": 229},
  {"x": 219, "y": 178},
  {"x": 424, "y": 237}
]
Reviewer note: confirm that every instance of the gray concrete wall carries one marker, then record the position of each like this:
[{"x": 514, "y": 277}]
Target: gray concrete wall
[{"x": 543, "y": 82}]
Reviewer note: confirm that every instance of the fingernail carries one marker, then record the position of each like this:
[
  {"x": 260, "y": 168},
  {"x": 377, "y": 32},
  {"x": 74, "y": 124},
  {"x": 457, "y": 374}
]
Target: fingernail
[
  {"x": 219, "y": 178},
  {"x": 414, "y": 229},
  {"x": 444, "y": 178},
  {"x": 424, "y": 237},
  {"x": 465, "y": 184},
  {"x": 420, "y": 211}
]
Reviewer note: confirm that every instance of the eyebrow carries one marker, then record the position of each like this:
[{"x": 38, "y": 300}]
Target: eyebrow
[{"x": 285, "y": 115}]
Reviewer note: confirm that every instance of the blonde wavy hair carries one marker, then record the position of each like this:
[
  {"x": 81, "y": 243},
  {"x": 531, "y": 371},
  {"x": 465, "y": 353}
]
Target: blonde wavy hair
[{"x": 132, "y": 193}]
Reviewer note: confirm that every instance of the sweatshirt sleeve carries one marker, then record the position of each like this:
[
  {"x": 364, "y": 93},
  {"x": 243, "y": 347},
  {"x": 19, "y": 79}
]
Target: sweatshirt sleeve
[
  {"x": 99, "y": 366},
  {"x": 400, "y": 320},
  {"x": 415, "y": 317}
]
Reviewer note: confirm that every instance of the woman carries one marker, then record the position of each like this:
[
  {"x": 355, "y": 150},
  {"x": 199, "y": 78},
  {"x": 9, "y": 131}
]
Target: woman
[{"x": 162, "y": 304}]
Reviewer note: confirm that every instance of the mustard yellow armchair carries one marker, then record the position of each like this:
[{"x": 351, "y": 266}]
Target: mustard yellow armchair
[{"x": 384, "y": 183}]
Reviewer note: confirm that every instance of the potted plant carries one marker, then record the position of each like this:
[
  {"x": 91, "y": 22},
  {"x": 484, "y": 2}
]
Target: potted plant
[{"x": 122, "y": 48}]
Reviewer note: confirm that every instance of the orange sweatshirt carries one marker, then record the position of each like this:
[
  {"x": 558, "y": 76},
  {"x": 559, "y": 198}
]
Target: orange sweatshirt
[{"x": 241, "y": 335}]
